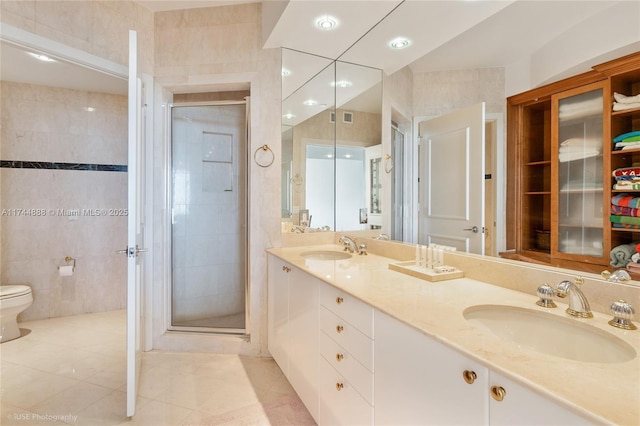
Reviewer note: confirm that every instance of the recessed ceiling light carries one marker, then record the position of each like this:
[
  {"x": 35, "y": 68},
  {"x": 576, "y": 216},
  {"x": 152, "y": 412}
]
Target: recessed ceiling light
[
  {"x": 326, "y": 23},
  {"x": 399, "y": 43},
  {"x": 288, "y": 116},
  {"x": 89, "y": 109},
  {"x": 40, "y": 57},
  {"x": 310, "y": 102},
  {"x": 285, "y": 72},
  {"x": 342, "y": 84}
]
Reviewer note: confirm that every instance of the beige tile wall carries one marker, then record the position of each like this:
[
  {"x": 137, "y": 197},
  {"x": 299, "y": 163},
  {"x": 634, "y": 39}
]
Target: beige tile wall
[{"x": 47, "y": 124}]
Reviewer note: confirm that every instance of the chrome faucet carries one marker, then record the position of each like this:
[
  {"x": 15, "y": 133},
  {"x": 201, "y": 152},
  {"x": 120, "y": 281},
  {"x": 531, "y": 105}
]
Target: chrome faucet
[
  {"x": 349, "y": 243},
  {"x": 578, "y": 303}
]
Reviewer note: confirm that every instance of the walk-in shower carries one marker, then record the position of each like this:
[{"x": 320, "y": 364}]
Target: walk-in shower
[{"x": 209, "y": 289}]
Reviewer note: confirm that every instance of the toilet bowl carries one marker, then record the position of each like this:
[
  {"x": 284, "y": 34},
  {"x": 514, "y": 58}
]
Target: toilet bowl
[{"x": 13, "y": 300}]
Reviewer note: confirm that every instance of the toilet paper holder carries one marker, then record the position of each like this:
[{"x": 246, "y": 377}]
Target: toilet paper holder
[{"x": 69, "y": 259}]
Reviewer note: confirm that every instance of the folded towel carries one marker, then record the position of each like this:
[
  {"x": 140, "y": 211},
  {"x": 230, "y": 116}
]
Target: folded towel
[
  {"x": 625, "y": 226},
  {"x": 624, "y": 211},
  {"x": 593, "y": 143},
  {"x": 572, "y": 110},
  {"x": 625, "y": 145},
  {"x": 626, "y": 185},
  {"x": 623, "y": 107},
  {"x": 624, "y": 99},
  {"x": 625, "y": 200},
  {"x": 633, "y": 268},
  {"x": 627, "y": 171},
  {"x": 621, "y": 255},
  {"x": 629, "y": 220},
  {"x": 629, "y": 139},
  {"x": 563, "y": 157},
  {"x": 626, "y": 135},
  {"x": 632, "y": 179}
]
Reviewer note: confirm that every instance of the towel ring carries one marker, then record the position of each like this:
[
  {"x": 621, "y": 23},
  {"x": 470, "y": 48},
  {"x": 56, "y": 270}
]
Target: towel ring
[
  {"x": 264, "y": 148},
  {"x": 388, "y": 163}
]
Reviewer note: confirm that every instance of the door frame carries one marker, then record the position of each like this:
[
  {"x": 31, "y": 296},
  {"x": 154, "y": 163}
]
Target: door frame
[
  {"x": 167, "y": 323},
  {"x": 500, "y": 190}
]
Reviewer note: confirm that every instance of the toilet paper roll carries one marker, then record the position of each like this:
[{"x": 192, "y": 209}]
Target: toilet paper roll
[{"x": 65, "y": 271}]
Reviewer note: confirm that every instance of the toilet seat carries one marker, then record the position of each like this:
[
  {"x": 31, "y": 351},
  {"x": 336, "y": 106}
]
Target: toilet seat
[{"x": 11, "y": 291}]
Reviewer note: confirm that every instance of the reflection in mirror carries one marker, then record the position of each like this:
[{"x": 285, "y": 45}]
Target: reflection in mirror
[
  {"x": 308, "y": 135},
  {"x": 359, "y": 147}
]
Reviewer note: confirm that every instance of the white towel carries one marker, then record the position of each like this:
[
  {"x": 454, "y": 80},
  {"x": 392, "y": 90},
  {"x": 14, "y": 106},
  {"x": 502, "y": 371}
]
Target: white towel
[
  {"x": 624, "y": 99},
  {"x": 570, "y": 156},
  {"x": 617, "y": 106}
]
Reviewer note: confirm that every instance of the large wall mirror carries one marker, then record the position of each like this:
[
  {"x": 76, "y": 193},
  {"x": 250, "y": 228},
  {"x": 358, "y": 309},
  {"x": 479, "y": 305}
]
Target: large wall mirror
[{"x": 331, "y": 144}]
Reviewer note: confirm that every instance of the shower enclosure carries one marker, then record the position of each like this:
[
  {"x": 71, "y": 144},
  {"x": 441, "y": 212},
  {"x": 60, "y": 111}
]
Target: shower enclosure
[{"x": 209, "y": 290}]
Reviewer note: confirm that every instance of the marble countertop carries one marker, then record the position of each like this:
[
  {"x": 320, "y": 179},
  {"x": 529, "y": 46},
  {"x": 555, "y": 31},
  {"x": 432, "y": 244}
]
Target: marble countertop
[{"x": 602, "y": 392}]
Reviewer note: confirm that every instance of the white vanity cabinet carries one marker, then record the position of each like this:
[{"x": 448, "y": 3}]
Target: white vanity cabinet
[
  {"x": 346, "y": 359},
  {"x": 293, "y": 328},
  {"x": 421, "y": 381}
]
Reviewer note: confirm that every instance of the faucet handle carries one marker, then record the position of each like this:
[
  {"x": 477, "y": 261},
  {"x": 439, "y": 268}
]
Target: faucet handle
[
  {"x": 545, "y": 293},
  {"x": 363, "y": 249},
  {"x": 622, "y": 315}
]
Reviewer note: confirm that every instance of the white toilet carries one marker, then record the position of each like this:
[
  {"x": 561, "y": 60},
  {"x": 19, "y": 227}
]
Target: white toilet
[{"x": 13, "y": 300}]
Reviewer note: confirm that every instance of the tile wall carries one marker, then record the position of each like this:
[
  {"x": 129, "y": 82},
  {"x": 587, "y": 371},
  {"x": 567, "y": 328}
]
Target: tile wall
[{"x": 51, "y": 130}]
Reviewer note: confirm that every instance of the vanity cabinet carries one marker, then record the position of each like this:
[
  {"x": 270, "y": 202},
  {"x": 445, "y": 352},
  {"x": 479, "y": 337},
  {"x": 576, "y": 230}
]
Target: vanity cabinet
[
  {"x": 293, "y": 328},
  {"x": 420, "y": 381},
  {"x": 560, "y": 160},
  {"x": 346, "y": 393}
]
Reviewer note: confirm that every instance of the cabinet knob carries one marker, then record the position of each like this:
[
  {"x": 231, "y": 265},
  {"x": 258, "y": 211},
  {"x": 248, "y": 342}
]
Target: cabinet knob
[
  {"x": 469, "y": 376},
  {"x": 339, "y": 328},
  {"x": 339, "y": 386},
  {"x": 339, "y": 300},
  {"x": 498, "y": 393},
  {"x": 339, "y": 357},
  {"x": 286, "y": 269}
]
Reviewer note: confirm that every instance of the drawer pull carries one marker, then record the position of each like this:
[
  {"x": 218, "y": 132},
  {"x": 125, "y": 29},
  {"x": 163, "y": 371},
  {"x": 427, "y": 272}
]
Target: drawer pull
[
  {"x": 498, "y": 393},
  {"x": 339, "y": 300},
  {"x": 469, "y": 376},
  {"x": 339, "y": 357},
  {"x": 286, "y": 269},
  {"x": 339, "y": 386},
  {"x": 339, "y": 328}
]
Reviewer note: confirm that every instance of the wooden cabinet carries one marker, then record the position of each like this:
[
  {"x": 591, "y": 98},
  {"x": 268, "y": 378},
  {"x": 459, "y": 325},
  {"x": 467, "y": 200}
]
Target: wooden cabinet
[
  {"x": 420, "y": 381},
  {"x": 560, "y": 163}
]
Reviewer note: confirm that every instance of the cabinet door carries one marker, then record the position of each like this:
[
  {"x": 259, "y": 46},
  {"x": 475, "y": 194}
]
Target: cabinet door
[
  {"x": 420, "y": 381},
  {"x": 578, "y": 127},
  {"x": 303, "y": 338},
  {"x": 521, "y": 406},
  {"x": 278, "y": 310}
]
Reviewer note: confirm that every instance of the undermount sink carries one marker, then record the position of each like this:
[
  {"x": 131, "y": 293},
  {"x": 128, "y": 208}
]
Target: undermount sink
[
  {"x": 550, "y": 334},
  {"x": 325, "y": 255}
]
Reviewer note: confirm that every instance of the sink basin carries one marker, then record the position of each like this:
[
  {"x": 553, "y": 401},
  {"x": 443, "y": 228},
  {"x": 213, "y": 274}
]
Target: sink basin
[
  {"x": 550, "y": 334},
  {"x": 325, "y": 255}
]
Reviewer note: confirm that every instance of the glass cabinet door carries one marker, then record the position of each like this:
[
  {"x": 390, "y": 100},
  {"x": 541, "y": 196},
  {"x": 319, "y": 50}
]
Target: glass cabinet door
[{"x": 579, "y": 173}]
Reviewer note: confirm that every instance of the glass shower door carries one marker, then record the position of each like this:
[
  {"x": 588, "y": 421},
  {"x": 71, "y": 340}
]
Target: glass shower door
[{"x": 209, "y": 211}]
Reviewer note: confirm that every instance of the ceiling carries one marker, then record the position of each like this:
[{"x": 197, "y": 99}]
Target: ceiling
[{"x": 445, "y": 34}]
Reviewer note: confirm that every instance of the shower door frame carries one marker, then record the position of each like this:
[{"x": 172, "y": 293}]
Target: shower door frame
[{"x": 240, "y": 332}]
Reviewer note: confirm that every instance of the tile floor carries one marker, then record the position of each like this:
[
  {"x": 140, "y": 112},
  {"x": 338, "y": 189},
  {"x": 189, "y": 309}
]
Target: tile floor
[{"x": 72, "y": 370}]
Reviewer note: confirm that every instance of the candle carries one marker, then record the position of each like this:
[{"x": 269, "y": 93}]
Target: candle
[
  {"x": 417, "y": 254},
  {"x": 423, "y": 259},
  {"x": 440, "y": 257},
  {"x": 429, "y": 258}
]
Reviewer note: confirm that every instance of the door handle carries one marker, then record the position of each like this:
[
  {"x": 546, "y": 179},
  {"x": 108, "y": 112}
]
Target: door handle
[
  {"x": 131, "y": 251},
  {"x": 473, "y": 229}
]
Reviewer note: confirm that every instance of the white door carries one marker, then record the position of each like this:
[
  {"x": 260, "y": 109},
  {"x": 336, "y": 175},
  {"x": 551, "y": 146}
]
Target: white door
[
  {"x": 135, "y": 227},
  {"x": 451, "y": 186}
]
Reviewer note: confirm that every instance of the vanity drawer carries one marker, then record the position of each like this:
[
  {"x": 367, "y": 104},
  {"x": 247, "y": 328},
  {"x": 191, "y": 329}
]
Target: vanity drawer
[
  {"x": 348, "y": 366},
  {"x": 349, "y": 337},
  {"x": 348, "y": 307},
  {"x": 340, "y": 403}
]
